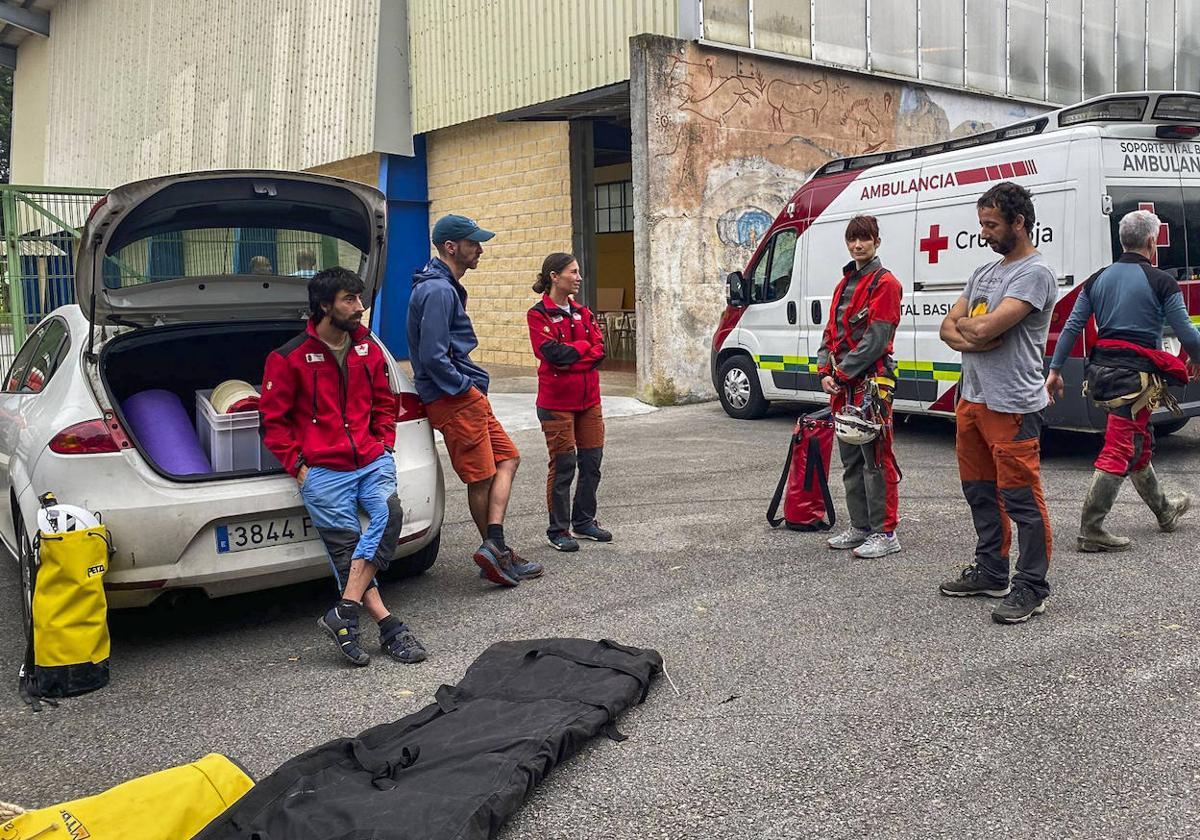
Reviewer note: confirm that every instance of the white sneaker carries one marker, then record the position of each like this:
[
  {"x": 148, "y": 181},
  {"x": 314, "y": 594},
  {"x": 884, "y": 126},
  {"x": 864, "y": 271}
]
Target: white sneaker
[
  {"x": 849, "y": 538},
  {"x": 877, "y": 545}
]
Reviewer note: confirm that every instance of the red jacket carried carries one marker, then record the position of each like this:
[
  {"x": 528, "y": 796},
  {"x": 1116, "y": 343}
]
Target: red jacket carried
[
  {"x": 317, "y": 413},
  {"x": 569, "y": 347}
]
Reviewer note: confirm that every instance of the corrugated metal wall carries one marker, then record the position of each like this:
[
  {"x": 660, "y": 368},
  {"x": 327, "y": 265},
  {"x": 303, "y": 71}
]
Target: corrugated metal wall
[
  {"x": 475, "y": 58},
  {"x": 270, "y": 83}
]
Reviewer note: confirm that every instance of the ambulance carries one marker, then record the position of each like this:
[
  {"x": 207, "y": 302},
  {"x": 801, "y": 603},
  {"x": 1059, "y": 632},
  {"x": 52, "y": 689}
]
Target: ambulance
[{"x": 1086, "y": 167}]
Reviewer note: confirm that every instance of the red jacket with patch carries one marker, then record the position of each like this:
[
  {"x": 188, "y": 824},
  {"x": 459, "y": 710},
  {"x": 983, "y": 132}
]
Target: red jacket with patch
[
  {"x": 317, "y": 413},
  {"x": 569, "y": 347}
]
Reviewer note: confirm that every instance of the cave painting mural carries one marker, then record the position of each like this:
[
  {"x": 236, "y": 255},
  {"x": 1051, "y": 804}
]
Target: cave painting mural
[{"x": 730, "y": 137}]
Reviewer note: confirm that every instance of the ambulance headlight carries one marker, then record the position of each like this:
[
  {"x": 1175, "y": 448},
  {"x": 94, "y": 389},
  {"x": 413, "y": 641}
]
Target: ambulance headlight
[
  {"x": 1181, "y": 108},
  {"x": 1127, "y": 109}
]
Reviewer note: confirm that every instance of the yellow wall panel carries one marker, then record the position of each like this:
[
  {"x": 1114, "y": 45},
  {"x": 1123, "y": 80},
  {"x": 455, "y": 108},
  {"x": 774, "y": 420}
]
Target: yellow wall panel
[{"x": 475, "y": 58}]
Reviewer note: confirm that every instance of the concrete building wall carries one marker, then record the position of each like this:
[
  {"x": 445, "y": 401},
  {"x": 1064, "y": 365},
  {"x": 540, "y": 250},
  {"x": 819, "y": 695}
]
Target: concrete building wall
[
  {"x": 721, "y": 141},
  {"x": 514, "y": 179},
  {"x": 474, "y": 58},
  {"x": 144, "y": 87},
  {"x": 31, "y": 113}
]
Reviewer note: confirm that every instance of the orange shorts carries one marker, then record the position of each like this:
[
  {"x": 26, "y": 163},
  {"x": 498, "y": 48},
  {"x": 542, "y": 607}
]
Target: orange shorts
[{"x": 474, "y": 437}]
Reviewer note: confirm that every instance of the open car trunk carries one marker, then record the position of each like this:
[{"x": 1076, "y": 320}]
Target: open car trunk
[{"x": 182, "y": 360}]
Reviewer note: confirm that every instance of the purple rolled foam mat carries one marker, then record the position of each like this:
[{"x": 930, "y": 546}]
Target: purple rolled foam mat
[{"x": 160, "y": 423}]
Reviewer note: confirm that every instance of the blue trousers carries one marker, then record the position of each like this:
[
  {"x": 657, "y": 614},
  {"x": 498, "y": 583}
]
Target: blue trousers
[{"x": 333, "y": 499}]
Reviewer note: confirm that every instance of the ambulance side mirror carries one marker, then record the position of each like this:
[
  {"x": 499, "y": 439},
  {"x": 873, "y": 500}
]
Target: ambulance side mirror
[{"x": 735, "y": 289}]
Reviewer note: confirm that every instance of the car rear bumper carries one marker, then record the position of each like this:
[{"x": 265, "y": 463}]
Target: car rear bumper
[{"x": 165, "y": 534}]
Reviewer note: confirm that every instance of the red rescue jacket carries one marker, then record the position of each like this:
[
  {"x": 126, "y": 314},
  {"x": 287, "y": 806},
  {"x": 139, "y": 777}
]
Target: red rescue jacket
[
  {"x": 570, "y": 348},
  {"x": 1171, "y": 367},
  {"x": 879, "y": 297},
  {"x": 317, "y": 413}
]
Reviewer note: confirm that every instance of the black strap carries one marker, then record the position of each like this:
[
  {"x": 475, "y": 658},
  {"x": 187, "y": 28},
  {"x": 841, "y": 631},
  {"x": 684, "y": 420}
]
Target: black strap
[
  {"x": 814, "y": 469},
  {"x": 773, "y": 508},
  {"x": 27, "y": 686}
]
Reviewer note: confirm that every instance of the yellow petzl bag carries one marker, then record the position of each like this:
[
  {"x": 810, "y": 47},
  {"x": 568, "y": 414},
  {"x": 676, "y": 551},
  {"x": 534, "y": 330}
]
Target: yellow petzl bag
[
  {"x": 70, "y": 613},
  {"x": 172, "y": 804}
]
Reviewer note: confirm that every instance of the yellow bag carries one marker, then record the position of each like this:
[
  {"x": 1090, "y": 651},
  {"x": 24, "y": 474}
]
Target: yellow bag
[
  {"x": 70, "y": 614},
  {"x": 172, "y": 804}
]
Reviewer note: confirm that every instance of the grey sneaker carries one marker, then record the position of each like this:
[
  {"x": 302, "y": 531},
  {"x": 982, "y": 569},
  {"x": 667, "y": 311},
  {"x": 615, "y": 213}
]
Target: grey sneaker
[
  {"x": 850, "y": 538},
  {"x": 878, "y": 545}
]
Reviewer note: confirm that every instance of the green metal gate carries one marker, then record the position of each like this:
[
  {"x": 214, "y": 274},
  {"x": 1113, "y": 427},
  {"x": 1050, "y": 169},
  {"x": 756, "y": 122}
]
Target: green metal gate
[{"x": 37, "y": 256}]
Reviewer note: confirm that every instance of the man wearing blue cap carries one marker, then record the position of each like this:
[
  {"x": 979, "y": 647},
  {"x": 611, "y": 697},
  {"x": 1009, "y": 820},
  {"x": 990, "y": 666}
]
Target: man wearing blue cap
[{"x": 454, "y": 391}]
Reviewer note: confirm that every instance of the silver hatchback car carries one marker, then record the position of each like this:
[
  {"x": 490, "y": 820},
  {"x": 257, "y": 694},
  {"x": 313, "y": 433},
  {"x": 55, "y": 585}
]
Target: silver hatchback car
[{"x": 179, "y": 289}]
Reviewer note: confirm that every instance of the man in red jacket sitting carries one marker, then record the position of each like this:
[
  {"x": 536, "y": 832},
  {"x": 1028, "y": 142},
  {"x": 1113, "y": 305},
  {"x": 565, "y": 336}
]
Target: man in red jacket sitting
[{"x": 329, "y": 416}]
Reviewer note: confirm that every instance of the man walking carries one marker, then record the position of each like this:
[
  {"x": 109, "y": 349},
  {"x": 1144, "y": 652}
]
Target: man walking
[
  {"x": 1126, "y": 375},
  {"x": 454, "y": 391},
  {"x": 329, "y": 416},
  {"x": 1000, "y": 325}
]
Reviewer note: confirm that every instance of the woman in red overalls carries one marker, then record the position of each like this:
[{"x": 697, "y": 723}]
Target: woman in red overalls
[
  {"x": 568, "y": 343},
  {"x": 854, "y": 362}
]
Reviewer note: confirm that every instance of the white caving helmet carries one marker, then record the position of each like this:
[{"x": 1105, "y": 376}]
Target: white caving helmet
[
  {"x": 57, "y": 519},
  {"x": 853, "y": 426}
]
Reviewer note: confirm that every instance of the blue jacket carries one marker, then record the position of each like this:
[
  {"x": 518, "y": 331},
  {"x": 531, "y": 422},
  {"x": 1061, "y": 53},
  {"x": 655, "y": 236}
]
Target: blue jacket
[
  {"x": 440, "y": 335},
  {"x": 1131, "y": 300}
]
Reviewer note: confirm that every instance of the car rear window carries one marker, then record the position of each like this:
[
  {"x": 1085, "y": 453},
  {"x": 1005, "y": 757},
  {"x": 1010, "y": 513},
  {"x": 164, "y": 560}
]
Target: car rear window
[{"x": 210, "y": 252}]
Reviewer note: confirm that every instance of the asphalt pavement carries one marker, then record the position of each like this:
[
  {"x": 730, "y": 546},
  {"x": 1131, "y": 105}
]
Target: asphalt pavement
[{"x": 816, "y": 695}]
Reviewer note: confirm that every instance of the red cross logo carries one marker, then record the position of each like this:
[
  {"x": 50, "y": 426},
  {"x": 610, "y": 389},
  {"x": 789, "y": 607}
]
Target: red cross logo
[
  {"x": 1164, "y": 232},
  {"x": 935, "y": 243}
]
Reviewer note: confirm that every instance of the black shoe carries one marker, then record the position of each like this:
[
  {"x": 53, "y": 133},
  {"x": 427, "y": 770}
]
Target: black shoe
[
  {"x": 973, "y": 582},
  {"x": 562, "y": 541},
  {"x": 593, "y": 531},
  {"x": 342, "y": 626},
  {"x": 1020, "y": 606},
  {"x": 520, "y": 567},
  {"x": 400, "y": 644}
]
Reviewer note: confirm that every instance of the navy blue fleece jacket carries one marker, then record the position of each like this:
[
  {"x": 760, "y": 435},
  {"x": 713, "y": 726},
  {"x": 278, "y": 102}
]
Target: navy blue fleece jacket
[{"x": 440, "y": 335}]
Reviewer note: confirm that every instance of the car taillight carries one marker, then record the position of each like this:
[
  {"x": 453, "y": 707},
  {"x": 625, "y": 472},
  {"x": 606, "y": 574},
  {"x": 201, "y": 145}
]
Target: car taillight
[
  {"x": 87, "y": 438},
  {"x": 103, "y": 200},
  {"x": 411, "y": 408}
]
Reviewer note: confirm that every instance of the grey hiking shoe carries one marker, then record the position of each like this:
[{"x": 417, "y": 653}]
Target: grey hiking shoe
[
  {"x": 1019, "y": 606},
  {"x": 878, "y": 545},
  {"x": 850, "y": 538}
]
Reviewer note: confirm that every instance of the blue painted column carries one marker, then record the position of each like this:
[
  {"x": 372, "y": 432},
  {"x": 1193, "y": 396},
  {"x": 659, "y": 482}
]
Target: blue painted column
[{"x": 403, "y": 180}]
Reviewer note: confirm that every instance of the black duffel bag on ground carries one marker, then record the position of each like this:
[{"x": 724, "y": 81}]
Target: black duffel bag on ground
[{"x": 457, "y": 769}]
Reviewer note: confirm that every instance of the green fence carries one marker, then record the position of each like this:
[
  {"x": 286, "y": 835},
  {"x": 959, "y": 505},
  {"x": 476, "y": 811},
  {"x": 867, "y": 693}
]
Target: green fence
[{"x": 37, "y": 256}]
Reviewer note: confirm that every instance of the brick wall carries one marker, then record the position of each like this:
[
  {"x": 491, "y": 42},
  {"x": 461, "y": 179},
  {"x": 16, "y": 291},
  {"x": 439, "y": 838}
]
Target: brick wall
[
  {"x": 514, "y": 179},
  {"x": 364, "y": 169}
]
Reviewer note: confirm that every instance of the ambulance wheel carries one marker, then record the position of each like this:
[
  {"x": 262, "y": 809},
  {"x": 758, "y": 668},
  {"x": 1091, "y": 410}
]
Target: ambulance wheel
[
  {"x": 741, "y": 395},
  {"x": 1163, "y": 429},
  {"x": 25, "y": 570}
]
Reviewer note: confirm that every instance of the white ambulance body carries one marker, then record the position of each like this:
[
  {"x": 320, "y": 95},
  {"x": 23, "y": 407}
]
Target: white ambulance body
[{"x": 1086, "y": 166}]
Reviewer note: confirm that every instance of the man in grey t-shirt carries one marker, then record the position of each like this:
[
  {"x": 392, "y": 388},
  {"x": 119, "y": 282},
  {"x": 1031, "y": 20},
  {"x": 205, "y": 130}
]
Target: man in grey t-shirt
[{"x": 1000, "y": 325}]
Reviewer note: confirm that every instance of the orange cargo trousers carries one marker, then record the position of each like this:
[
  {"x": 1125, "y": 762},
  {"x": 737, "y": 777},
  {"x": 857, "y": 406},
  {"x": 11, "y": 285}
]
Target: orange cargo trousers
[{"x": 999, "y": 463}]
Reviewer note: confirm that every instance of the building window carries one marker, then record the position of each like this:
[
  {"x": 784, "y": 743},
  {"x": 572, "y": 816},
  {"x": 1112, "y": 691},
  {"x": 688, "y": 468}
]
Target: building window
[{"x": 614, "y": 207}]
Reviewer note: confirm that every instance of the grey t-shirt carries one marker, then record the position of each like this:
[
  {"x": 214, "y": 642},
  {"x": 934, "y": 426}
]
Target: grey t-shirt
[{"x": 1010, "y": 378}]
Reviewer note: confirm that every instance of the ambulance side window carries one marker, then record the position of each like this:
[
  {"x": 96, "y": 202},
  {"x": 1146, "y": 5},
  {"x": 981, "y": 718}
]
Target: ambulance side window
[{"x": 772, "y": 275}]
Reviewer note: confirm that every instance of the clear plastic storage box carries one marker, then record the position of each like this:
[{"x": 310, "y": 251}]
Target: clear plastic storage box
[{"x": 231, "y": 441}]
